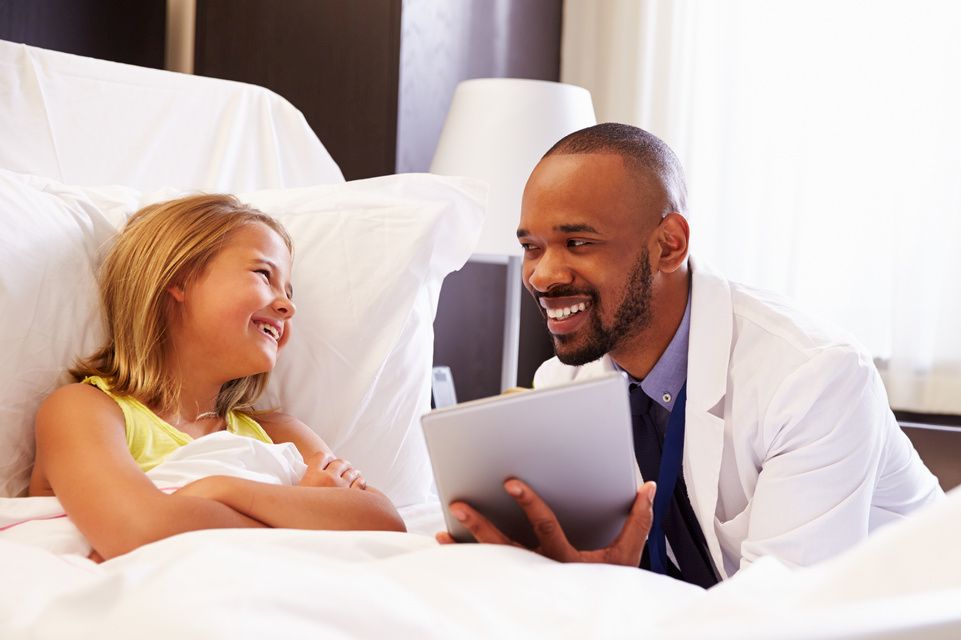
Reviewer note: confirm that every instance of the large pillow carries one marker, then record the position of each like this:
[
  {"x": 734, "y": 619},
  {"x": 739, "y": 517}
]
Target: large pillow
[
  {"x": 369, "y": 260},
  {"x": 87, "y": 121}
]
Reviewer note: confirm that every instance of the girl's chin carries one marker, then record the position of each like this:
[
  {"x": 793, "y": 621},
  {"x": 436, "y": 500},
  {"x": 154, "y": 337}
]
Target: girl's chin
[{"x": 256, "y": 369}]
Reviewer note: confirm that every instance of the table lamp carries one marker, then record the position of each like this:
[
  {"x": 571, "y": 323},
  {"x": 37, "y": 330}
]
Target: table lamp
[{"x": 497, "y": 130}]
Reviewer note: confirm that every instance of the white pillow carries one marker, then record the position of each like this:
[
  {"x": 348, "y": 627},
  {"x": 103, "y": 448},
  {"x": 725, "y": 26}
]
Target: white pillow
[
  {"x": 369, "y": 260},
  {"x": 88, "y": 121}
]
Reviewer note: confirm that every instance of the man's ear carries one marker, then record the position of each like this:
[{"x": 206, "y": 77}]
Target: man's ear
[
  {"x": 176, "y": 292},
  {"x": 673, "y": 235}
]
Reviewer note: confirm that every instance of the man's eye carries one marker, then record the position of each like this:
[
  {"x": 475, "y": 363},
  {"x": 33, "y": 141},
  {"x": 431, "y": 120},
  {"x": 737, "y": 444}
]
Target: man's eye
[
  {"x": 577, "y": 243},
  {"x": 529, "y": 247}
]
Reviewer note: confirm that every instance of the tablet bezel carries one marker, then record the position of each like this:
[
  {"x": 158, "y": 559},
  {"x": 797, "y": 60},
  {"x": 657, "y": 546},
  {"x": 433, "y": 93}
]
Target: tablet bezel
[{"x": 572, "y": 443}]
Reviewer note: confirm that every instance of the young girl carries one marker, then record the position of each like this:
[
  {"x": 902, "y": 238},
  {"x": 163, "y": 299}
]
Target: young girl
[{"x": 198, "y": 303}]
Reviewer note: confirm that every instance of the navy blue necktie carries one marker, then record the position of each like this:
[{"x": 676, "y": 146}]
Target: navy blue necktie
[{"x": 678, "y": 521}]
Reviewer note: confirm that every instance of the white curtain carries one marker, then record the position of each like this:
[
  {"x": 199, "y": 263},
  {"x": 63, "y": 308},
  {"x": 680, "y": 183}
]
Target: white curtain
[{"x": 822, "y": 144}]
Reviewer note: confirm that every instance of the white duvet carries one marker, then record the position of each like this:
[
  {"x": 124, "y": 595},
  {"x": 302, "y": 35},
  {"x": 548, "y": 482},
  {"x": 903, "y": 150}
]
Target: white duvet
[{"x": 904, "y": 582}]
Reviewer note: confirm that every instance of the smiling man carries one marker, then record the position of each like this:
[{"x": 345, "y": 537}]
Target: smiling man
[{"x": 767, "y": 433}]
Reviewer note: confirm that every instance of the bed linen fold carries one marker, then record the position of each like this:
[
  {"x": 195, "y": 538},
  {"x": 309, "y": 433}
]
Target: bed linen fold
[{"x": 903, "y": 582}]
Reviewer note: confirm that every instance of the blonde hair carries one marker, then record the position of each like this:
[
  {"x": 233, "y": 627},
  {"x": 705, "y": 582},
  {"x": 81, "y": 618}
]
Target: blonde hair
[{"x": 163, "y": 245}]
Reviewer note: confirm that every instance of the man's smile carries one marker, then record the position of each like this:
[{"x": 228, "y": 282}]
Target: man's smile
[{"x": 565, "y": 315}]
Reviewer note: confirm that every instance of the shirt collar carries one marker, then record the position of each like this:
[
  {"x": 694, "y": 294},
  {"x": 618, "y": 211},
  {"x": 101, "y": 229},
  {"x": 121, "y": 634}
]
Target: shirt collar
[{"x": 669, "y": 374}]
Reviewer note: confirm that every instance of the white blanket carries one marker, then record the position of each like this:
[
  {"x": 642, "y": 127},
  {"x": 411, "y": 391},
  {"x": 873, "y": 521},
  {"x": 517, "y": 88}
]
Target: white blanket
[
  {"x": 42, "y": 522},
  {"x": 903, "y": 582}
]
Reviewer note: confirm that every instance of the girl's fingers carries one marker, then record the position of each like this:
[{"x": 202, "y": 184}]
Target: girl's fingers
[{"x": 356, "y": 480}]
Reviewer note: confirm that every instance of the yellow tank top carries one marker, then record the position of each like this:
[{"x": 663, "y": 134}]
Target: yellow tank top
[{"x": 151, "y": 439}]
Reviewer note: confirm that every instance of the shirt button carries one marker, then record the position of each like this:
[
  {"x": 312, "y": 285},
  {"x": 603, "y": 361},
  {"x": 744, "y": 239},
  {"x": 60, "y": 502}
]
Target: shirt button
[{"x": 666, "y": 397}]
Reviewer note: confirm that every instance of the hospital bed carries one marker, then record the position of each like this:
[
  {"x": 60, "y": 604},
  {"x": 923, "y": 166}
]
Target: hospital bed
[{"x": 84, "y": 143}]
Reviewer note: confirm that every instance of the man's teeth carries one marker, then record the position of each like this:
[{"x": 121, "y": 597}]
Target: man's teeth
[
  {"x": 560, "y": 314},
  {"x": 269, "y": 329}
]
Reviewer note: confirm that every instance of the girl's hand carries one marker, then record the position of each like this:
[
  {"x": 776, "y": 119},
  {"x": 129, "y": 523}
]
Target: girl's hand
[{"x": 326, "y": 470}]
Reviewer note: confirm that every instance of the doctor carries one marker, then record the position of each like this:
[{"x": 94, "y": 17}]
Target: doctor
[{"x": 767, "y": 433}]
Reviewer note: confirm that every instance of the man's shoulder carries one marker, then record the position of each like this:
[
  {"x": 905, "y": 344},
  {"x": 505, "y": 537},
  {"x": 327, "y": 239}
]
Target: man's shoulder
[
  {"x": 770, "y": 319},
  {"x": 759, "y": 314}
]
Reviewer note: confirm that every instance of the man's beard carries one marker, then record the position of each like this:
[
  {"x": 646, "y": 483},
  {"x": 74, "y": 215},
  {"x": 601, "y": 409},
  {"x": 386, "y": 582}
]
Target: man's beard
[{"x": 594, "y": 339}]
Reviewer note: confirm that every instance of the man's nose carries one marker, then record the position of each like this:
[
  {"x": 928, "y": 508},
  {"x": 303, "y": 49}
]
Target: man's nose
[{"x": 548, "y": 271}]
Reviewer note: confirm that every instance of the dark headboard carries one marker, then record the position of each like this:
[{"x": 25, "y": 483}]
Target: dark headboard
[{"x": 129, "y": 32}]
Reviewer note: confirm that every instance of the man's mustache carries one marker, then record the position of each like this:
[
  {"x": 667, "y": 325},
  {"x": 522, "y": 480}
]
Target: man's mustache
[{"x": 566, "y": 291}]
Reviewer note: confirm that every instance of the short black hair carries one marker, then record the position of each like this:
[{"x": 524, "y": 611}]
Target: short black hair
[{"x": 638, "y": 148}]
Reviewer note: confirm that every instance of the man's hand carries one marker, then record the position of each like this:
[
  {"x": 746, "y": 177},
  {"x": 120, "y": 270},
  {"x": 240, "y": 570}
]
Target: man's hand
[{"x": 626, "y": 548}]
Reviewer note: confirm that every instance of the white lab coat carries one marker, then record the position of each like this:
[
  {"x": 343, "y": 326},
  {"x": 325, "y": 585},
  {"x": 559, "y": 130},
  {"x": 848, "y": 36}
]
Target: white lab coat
[{"x": 790, "y": 448}]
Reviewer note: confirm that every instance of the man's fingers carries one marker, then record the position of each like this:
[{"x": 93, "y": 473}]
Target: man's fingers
[
  {"x": 479, "y": 526},
  {"x": 444, "y": 538},
  {"x": 639, "y": 520},
  {"x": 553, "y": 541}
]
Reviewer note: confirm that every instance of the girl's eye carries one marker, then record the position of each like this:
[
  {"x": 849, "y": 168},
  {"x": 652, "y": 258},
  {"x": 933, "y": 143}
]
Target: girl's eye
[{"x": 265, "y": 273}]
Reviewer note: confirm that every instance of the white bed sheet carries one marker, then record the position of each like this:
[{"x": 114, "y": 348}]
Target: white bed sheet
[
  {"x": 905, "y": 582},
  {"x": 285, "y": 583}
]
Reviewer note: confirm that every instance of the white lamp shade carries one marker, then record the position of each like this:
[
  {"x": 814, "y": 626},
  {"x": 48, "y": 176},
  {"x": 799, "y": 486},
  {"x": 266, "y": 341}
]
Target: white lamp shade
[{"x": 497, "y": 130}]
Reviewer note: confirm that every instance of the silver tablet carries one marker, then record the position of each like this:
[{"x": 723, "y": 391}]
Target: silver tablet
[{"x": 571, "y": 443}]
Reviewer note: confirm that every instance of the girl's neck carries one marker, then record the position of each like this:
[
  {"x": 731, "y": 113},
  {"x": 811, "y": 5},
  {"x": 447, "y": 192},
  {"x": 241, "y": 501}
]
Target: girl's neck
[
  {"x": 196, "y": 415},
  {"x": 198, "y": 393},
  {"x": 192, "y": 408}
]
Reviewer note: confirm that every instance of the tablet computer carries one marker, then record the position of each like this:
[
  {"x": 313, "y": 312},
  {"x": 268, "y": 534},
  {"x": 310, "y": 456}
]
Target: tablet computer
[{"x": 571, "y": 443}]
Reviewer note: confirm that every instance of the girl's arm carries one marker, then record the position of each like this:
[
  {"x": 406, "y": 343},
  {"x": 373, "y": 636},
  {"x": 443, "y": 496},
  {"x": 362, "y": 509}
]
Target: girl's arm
[
  {"x": 301, "y": 507},
  {"x": 82, "y": 448}
]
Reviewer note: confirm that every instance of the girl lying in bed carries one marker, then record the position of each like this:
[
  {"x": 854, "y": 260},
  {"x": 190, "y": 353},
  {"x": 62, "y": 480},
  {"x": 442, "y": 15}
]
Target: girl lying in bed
[{"x": 198, "y": 304}]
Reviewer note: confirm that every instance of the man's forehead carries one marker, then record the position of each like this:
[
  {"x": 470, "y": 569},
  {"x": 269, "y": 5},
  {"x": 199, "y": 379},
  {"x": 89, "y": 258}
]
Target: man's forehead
[
  {"x": 595, "y": 189},
  {"x": 571, "y": 193}
]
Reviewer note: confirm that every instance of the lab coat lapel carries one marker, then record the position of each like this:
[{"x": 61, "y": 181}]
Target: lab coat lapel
[{"x": 708, "y": 354}]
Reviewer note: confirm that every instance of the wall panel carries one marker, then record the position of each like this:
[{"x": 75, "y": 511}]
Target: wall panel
[
  {"x": 129, "y": 32},
  {"x": 336, "y": 61}
]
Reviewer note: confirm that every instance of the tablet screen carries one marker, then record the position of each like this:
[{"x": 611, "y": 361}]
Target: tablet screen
[{"x": 571, "y": 443}]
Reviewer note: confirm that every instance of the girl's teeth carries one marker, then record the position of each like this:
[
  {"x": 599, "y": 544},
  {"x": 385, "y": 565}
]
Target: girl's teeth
[{"x": 270, "y": 331}]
